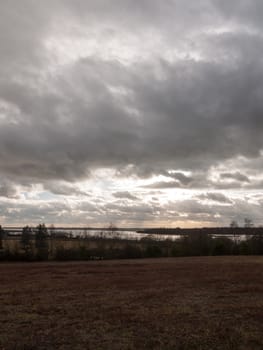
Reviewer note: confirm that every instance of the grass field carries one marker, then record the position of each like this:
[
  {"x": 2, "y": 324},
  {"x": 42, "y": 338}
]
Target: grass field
[{"x": 181, "y": 303}]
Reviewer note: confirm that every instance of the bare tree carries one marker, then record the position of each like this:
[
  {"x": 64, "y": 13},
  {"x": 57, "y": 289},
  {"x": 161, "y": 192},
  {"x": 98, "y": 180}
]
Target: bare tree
[
  {"x": 248, "y": 223},
  {"x": 41, "y": 242},
  {"x": 1, "y": 237},
  {"x": 233, "y": 224},
  {"x": 112, "y": 230},
  {"x": 52, "y": 235},
  {"x": 26, "y": 241}
]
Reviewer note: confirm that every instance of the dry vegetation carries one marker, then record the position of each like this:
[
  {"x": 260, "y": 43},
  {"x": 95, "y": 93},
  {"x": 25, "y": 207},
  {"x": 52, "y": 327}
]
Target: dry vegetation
[{"x": 182, "y": 303}]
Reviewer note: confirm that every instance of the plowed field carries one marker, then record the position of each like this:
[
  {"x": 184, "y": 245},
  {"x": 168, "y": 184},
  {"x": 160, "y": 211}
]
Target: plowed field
[{"x": 182, "y": 303}]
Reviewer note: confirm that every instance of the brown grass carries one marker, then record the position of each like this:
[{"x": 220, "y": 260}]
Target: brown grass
[{"x": 182, "y": 303}]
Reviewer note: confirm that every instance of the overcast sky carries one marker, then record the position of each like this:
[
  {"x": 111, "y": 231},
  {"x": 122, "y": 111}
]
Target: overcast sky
[{"x": 140, "y": 113}]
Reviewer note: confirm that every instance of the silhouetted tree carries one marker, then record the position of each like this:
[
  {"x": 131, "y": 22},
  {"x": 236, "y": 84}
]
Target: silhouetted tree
[
  {"x": 52, "y": 234},
  {"x": 26, "y": 241},
  {"x": 1, "y": 237},
  {"x": 199, "y": 243},
  {"x": 255, "y": 244},
  {"x": 112, "y": 229},
  {"x": 233, "y": 224},
  {"x": 42, "y": 242},
  {"x": 248, "y": 223},
  {"x": 223, "y": 246}
]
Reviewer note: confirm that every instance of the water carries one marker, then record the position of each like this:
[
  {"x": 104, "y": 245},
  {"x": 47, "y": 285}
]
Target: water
[
  {"x": 120, "y": 234},
  {"x": 131, "y": 235}
]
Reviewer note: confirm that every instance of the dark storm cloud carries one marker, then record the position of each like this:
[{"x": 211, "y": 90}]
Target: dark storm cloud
[
  {"x": 170, "y": 15},
  {"x": 104, "y": 133},
  {"x": 156, "y": 113},
  {"x": 245, "y": 12},
  {"x": 22, "y": 27}
]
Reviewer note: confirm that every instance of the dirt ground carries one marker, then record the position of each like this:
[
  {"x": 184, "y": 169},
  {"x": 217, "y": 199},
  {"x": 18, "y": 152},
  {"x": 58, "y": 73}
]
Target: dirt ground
[{"x": 181, "y": 303}]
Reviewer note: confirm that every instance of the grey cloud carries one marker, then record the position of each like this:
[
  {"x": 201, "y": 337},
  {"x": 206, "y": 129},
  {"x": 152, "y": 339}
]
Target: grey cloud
[
  {"x": 130, "y": 209},
  {"x": 28, "y": 213},
  {"x": 125, "y": 195},
  {"x": 75, "y": 123},
  {"x": 231, "y": 185},
  {"x": 21, "y": 26},
  {"x": 145, "y": 14},
  {"x": 89, "y": 213},
  {"x": 64, "y": 189},
  {"x": 241, "y": 12},
  {"x": 235, "y": 176},
  {"x": 217, "y": 214},
  {"x": 88, "y": 207},
  {"x": 8, "y": 190},
  {"x": 255, "y": 185},
  {"x": 181, "y": 177},
  {"x": 188, "y": 97},
  {"x": 164, "y": 185},
  {"x": 105, "y": 134},
  {"x": 216, "y": 197}
]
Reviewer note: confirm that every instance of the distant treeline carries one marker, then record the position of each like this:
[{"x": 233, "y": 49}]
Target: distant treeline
[
  {"x": 224, "y": 231},
  {"x": 39, "y": 244}
]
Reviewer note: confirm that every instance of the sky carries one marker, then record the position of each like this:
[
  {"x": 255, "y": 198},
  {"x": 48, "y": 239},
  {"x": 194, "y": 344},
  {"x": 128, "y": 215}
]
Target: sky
[{"x": 140, "y": 113}]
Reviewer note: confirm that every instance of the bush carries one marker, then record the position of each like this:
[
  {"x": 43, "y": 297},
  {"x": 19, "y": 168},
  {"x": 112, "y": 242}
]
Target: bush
[
  {"x": 63, "y": 254},
  {"x": 131, "y": 252},
  {"x": 153, "y": 251},
  {"x": 41, "y": 242},
  {"x": 223, "y": 246}
]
